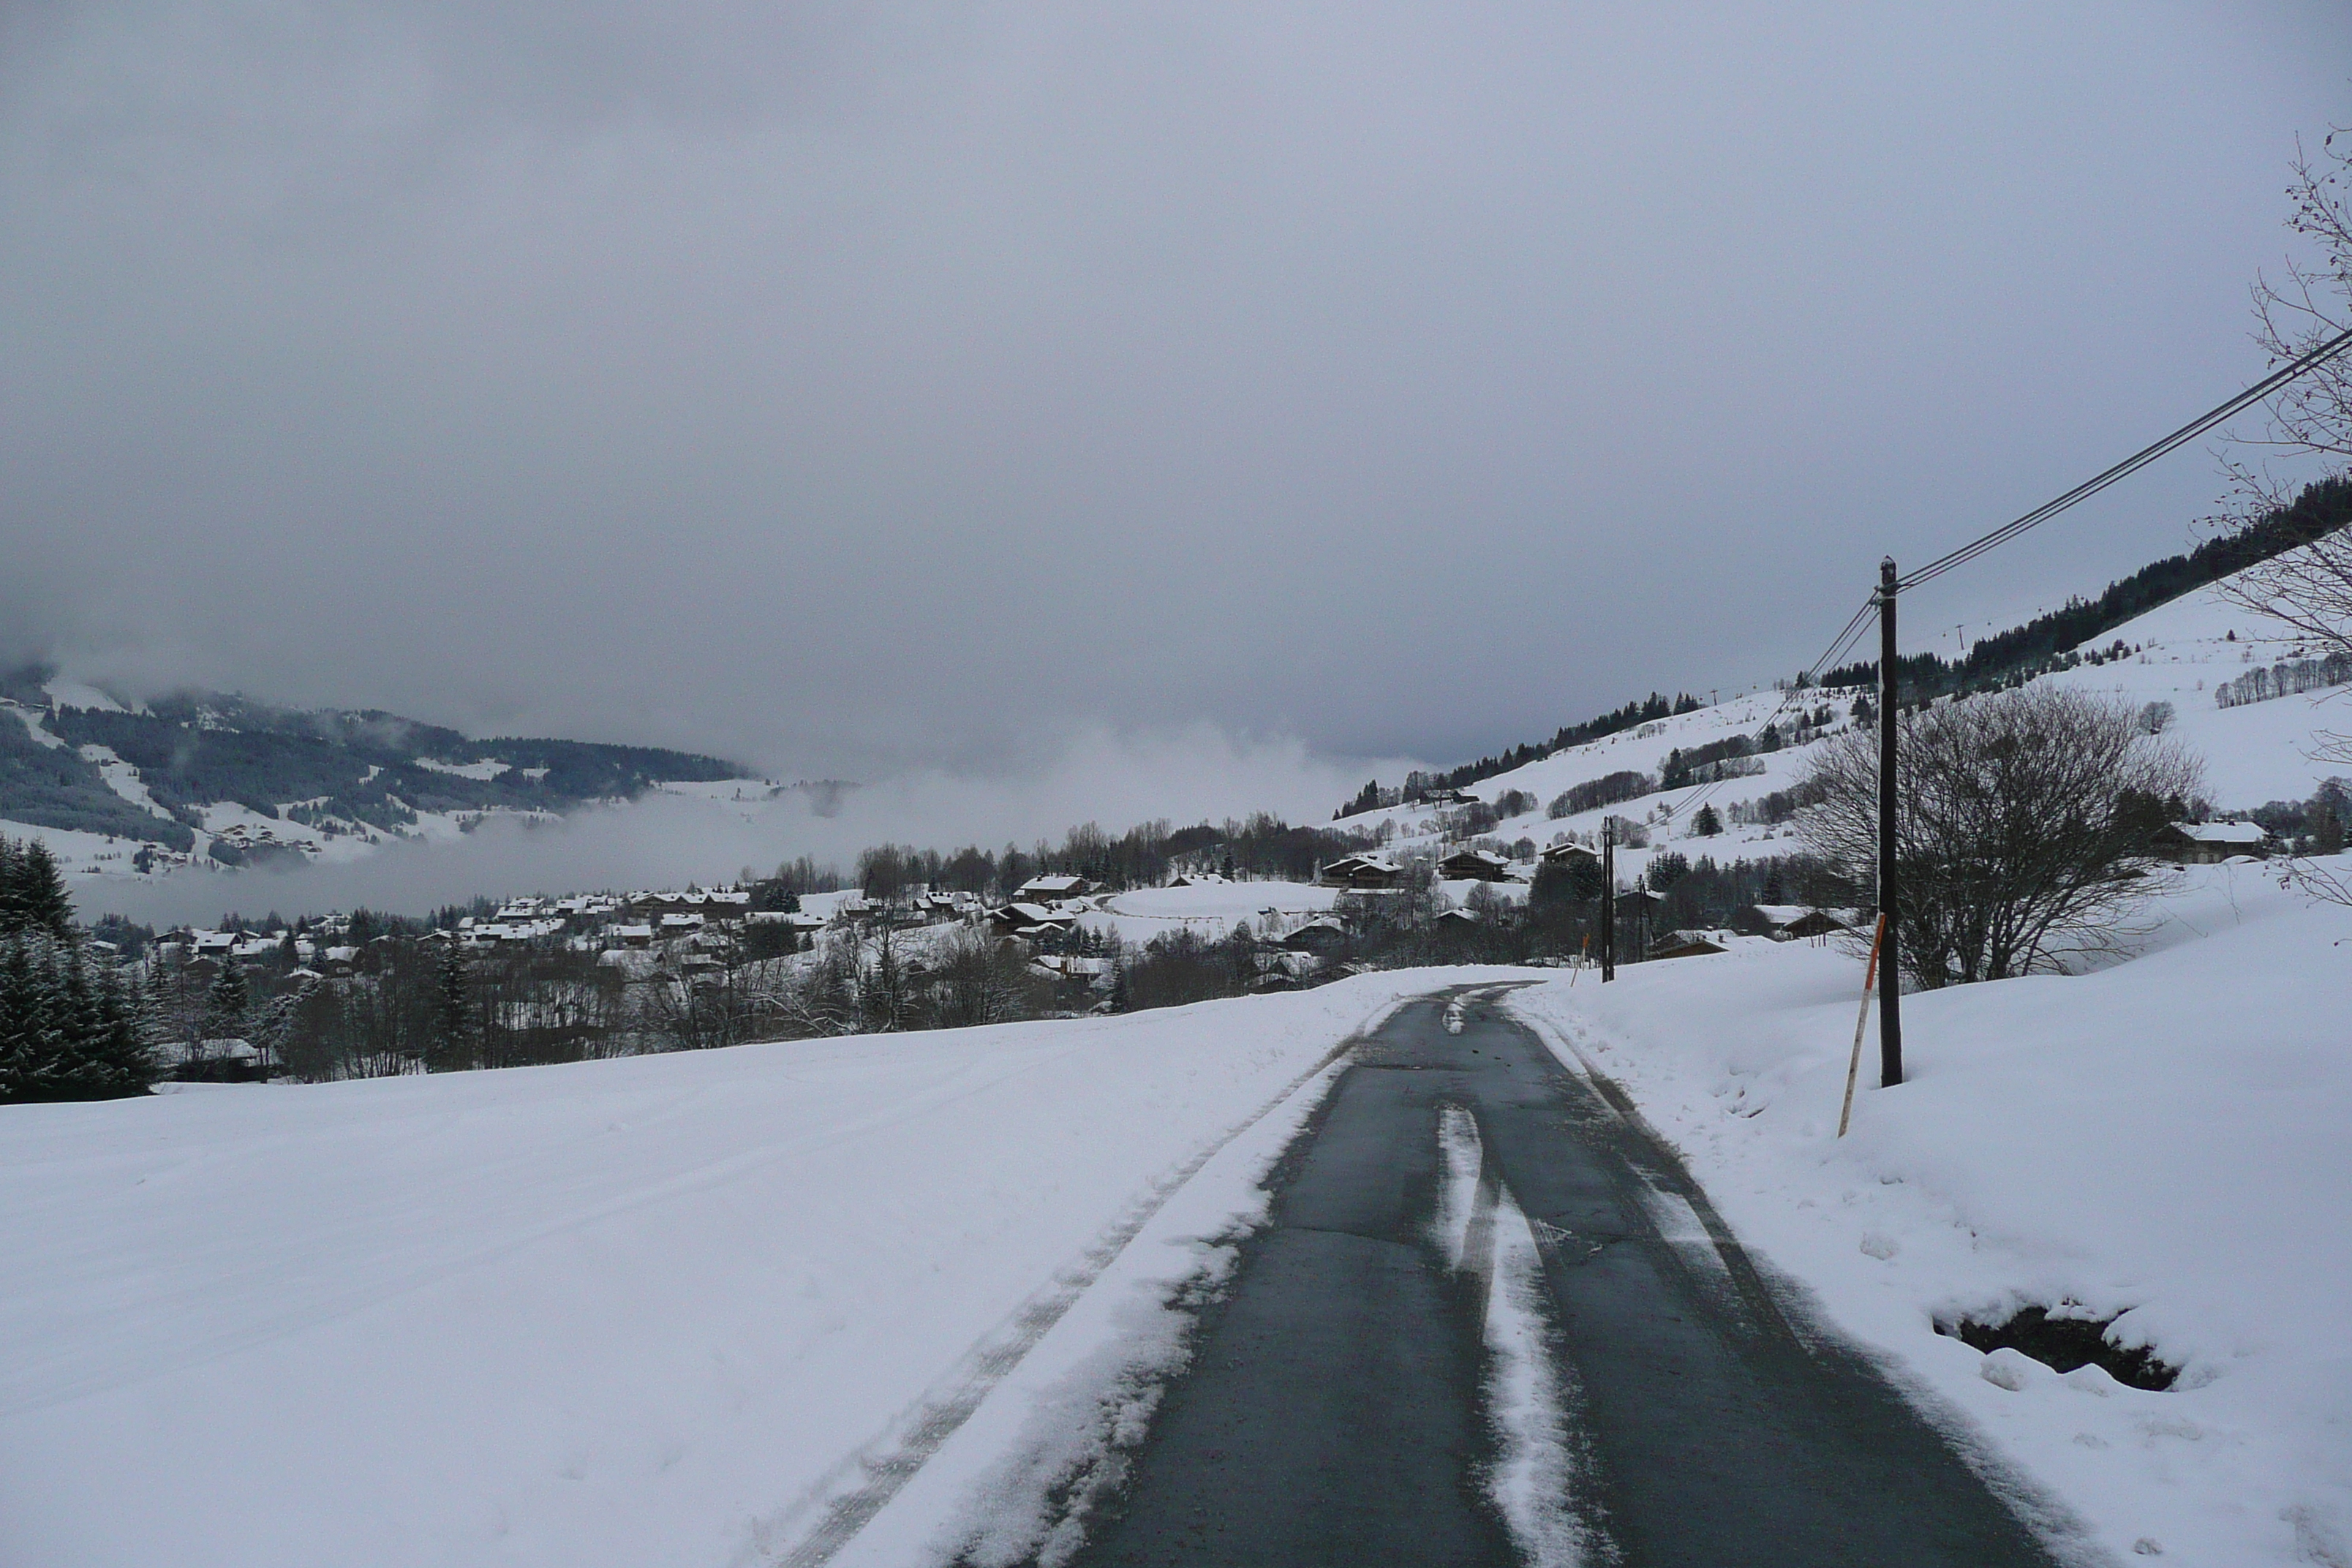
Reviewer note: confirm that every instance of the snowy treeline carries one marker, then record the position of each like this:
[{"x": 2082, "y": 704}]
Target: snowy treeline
[
  {"x": 69, "y": 1028},
  {"x": 2287, "y": 677}
]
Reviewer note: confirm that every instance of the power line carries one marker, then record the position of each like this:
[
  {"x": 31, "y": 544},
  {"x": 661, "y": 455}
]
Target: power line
[{"x": 1999, "y": 536}]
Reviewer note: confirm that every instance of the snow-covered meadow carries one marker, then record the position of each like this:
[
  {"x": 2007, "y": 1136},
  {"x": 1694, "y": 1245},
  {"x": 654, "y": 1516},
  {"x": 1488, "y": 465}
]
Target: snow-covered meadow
[{"x": 651, "y": 1310}]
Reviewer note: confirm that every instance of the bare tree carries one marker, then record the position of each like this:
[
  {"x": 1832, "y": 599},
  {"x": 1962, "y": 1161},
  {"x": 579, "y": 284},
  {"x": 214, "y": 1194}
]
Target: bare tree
[
  {"x": 2308, "y": 590},
  {"x": 979, "y": 980},
  {"x": 2305, "y": 305},
  {"x": 2024, "y": 827}
]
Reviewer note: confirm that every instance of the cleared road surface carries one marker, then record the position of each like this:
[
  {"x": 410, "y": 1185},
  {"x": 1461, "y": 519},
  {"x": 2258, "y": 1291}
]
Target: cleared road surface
[{"x": 1346, "y": 1405}]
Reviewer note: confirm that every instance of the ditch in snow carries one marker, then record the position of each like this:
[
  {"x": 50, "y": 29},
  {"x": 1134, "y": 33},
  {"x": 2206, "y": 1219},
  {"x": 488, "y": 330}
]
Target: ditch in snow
[{"x": 2064, "y": 1345}]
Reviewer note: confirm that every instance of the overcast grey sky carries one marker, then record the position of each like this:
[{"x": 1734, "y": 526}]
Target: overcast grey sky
[{"x": 854, "y": 388}]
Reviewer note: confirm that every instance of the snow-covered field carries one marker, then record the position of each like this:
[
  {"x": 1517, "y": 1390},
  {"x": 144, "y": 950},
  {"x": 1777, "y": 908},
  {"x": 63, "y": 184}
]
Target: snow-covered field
[
  {"x": 2164, "y": 1139},
  {"x": 694, "y": 1308},
  {"x": 1209, "y": 911},
  {"x": 646, "y": 1311}
]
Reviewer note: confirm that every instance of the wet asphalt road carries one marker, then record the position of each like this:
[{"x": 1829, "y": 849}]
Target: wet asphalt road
[{"x": 1332, "y": 1413}]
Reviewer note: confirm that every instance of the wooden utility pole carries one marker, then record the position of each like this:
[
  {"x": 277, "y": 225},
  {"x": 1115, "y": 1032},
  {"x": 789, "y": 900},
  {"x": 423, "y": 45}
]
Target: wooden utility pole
[
  {"x": 1890, "y": 993},
  {"x": 1608, "y": 900}
]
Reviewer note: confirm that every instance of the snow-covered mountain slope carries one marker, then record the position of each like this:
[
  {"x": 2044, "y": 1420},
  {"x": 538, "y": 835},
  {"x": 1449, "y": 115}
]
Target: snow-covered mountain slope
[
  {"x": 2253, "y": 752},
  {"x": 212, "y": 780}
]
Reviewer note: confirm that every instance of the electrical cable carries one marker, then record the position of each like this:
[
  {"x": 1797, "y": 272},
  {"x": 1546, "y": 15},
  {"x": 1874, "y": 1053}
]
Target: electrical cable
[
  {"x": 1839, "y": 647},
  {"x": 2308, "y": 361}
]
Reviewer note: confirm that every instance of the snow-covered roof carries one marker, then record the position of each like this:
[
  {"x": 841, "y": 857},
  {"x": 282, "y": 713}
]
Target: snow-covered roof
[{"x": 2221, "y": 832}]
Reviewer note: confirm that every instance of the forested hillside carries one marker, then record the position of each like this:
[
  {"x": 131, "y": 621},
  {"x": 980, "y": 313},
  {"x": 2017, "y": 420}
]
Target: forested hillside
[{"x": 2003, "y": 658}]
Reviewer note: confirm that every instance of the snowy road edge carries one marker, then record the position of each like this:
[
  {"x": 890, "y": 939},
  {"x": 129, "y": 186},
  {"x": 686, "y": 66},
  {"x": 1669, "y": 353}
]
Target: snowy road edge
[
  {"x": 2065, "y": 1533},
  {"x": 892, "y": 1458}
]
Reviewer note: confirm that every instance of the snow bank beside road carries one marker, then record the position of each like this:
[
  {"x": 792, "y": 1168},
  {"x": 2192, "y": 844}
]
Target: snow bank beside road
[
  {"x": 2165, "y": 1139},
  {"x": 620, "y": 1312}
]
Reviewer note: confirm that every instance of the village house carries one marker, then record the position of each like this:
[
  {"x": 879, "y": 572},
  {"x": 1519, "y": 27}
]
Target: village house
[
  {"x": 2211, "y": 843},
  {"x": 1052, "y": 890},
  {"x": 1790, "y": 922},
  {"x": 1570, "y": 855},
  {"x": 1361, "y": 872},
  {"x": 1321, "y": 934},
  {"x": 210, "y": 1061},
  {"x": 1474, "y": 866},
  {"x": 1686, "y": 944},
  {"x": 1028, "y": 920}
]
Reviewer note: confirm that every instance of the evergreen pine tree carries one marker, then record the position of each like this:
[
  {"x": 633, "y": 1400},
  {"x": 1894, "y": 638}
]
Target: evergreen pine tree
[
  {"x": 65, "y": 1030},
  {"x": 12, "y": 917},
  {"x": 1707, "y": 824},
  {"x": 225, "y": 1004},
  {"x": 124, "y": 1052},
  {"x": 32, "y": 891},
  {"x": 27, "y": 1020},
  {"x": 40, "y": 899},
  {"x": 77, "y": 1072}
]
